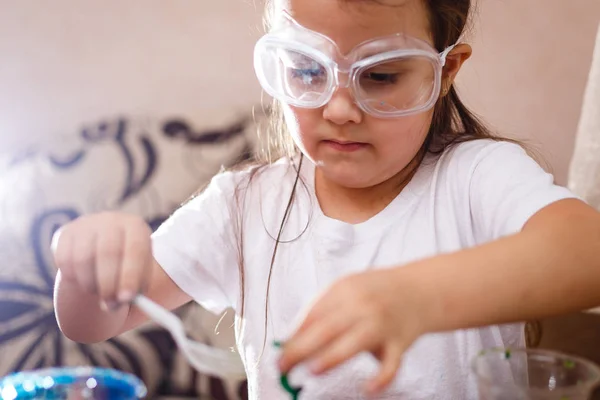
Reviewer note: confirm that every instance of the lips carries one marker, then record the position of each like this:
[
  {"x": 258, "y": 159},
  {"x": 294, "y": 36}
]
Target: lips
[{"x": 345, "y": 145}]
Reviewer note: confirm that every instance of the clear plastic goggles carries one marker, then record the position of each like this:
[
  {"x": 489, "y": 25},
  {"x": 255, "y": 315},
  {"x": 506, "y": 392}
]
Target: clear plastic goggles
[{"x": 389, "y": 77}]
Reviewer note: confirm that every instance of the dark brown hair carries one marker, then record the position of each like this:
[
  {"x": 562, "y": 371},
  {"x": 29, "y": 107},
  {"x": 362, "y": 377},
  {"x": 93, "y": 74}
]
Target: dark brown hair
[{"x": 452, "y": 121}]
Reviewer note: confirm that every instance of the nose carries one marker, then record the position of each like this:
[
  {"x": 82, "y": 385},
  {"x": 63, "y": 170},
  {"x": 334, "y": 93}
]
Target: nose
[{"x": 342, "y": 108}]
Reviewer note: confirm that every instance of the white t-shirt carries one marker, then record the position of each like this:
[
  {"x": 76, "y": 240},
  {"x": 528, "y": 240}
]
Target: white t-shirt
[{"x": 473, "y": 193}]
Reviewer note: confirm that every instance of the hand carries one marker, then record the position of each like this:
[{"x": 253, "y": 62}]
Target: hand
[
  {"x": 376, "y": 311},
  {"x": 107, "y": 254}
]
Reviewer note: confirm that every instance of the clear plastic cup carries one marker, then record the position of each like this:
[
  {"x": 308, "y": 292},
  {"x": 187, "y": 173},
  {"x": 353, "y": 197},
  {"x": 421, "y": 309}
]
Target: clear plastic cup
[
  {"x": 528, "y": 374},
  {"x": 72, "y": 383}
]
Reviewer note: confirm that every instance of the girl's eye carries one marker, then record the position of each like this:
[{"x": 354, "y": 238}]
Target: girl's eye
[
  {"x": 298, "y": 72},
  {"x": 308, "y": 75},
  {"x": 382, "y": 78}
]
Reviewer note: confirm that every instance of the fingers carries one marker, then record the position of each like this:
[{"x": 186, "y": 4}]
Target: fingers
[
  {"x": 329, "y": 345},
  {"x": 320, "y": 309},
  {"x": 390, "y": 363},
  {"x": 355, "y": 341},
  {"x": 311, "y": 340},
  {"x": 62, "y": 249},
  {"x": 137, "y": 257},
  {"x": 109, "y": 254},
  {"x": 83, "y": 259}
]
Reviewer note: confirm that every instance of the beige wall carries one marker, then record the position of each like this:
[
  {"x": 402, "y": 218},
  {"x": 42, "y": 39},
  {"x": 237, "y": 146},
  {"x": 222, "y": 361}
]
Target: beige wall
[
  {"x": 529, "y": 69},
  {"x": 70, "y": 61},
  {"x": 79, "y": 61}
]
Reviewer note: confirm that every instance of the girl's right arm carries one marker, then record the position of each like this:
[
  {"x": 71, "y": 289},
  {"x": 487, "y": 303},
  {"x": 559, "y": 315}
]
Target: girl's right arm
[{"x": 104, "y": 260}]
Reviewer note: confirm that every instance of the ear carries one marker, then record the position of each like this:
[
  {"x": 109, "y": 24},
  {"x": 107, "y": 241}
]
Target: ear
[{"x": 454, "y": 61}]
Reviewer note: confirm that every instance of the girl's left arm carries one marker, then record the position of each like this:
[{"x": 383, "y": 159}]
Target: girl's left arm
[{"x": 551, "y": 266}]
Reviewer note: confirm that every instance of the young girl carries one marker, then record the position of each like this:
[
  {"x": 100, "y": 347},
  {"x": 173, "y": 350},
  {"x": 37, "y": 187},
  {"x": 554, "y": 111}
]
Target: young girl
[{"x": 398, "y": 229}]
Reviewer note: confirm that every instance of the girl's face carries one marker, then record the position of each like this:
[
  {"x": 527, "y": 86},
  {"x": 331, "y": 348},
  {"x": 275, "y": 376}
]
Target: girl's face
[{"x": 350, "y": 147}]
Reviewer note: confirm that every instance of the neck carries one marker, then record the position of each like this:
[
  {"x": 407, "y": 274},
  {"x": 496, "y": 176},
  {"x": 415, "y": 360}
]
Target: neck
[{"x": 356, "y": 205}]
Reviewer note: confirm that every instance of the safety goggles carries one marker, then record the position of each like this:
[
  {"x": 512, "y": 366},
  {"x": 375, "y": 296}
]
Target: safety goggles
[{"x": 389, "y": 77}]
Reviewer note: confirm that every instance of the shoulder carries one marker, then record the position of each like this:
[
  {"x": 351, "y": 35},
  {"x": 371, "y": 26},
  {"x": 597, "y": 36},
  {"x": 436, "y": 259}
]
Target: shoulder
[
  {"x": 462, "y": 162},
  {"x": 505, "y": 187},
  {"x": 469, "y": 155},
  {"x": 248, "y": 182},
  {"x": 252, "y": 174},
  {"x": 482, "y": 165}
]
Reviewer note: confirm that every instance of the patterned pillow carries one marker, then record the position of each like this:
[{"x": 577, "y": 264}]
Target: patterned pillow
[{"x": 137, "y": 165}]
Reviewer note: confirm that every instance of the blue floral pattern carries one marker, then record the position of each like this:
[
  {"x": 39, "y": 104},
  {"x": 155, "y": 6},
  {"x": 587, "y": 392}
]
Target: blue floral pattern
[{"x": 116, "y": 165}]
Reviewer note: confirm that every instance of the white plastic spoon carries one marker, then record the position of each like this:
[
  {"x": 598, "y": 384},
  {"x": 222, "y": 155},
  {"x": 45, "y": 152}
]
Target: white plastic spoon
[{"x": 204, "y": 358}]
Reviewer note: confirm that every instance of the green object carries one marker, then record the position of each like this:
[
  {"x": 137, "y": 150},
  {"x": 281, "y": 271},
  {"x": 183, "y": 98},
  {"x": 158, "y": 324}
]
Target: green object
[
  {"x": 283, "y": 379},
  {"x": 294, "y": 392},
  {"x": 569, "y": 364}
]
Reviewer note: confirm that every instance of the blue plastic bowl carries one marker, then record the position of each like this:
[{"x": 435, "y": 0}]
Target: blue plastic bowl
[{"x": 72, "y": 383}]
